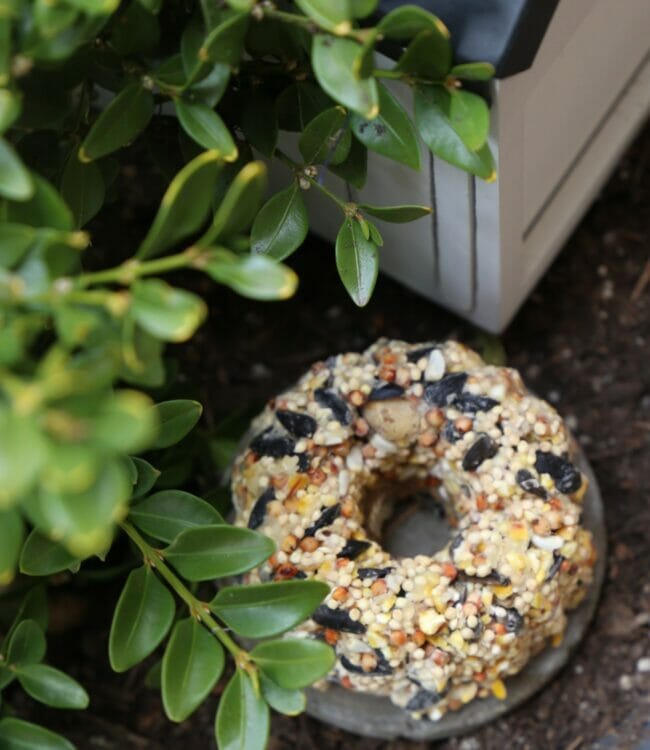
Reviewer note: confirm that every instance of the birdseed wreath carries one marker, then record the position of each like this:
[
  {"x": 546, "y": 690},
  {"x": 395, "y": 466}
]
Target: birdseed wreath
[{"x": 361, "y": 431}]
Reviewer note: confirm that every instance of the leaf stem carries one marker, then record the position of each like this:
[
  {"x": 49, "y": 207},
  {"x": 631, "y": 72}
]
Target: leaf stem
[
  {"x": 197, "y": 608},
  {"x": 133, "y": 269},
  {"x": 299, "y": 169}
]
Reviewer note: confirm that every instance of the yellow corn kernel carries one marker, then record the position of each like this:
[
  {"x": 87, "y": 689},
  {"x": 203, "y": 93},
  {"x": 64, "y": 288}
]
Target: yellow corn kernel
[
  {"x": 499, "y": 690},
  {"x": 502, "y": 592},
  {"x": 518, "y": 532},
  {"x": 557, "y": 639},
  {"x": 457, "y": 640}
]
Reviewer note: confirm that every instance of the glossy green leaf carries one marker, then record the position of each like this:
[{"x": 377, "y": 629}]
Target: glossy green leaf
[
  {"x": 10, "y": 104},
  {"x": 45, "y": 208},
  {"x": 355, "y": 168},
  {"x": 12, "y": 533},
  {"x": 396, "y": 214},
  {"x": 281, "y": 225},
  {"x": 242, "y": 721},
  {"x": 121, "y": 122},
  {"x": 364, "y": 63},
  {"x": 167, "y": 513},
  {"x": 205, "y": 126},
  {"x": 263, "y": 610},
  {"x": 470, "y": 117},
  {"x": 478, "y": 71},
  {"x": 26, "y": 645},
  {"x": 192, "y": 664},
  {"x": 17, "y": 734},
  {"x": 239, "y": 205},
  {"x": 363, "y": 8},
  {"x": 428, "y": 55},
  {"x": 146, "y": 476},
  {"x": 51, "y": 686},
  {"x": 293, "y": 663},
  {"x": 357, "y": 262},
  {"x": 165, "y": 312},
  {"x": 432, "y": 118},
  {"x": 125, "y": 421},
  {"x": 185, "y": 205},
  {"x": 43, "y": 557},
  {"x": 254, "y": 276},
  {"x": 23, "y": 452},
  {"x": 15, "y": 180},
  {"x": 288, "y": 702},
  {"x": 332, "y": 15},
  {"x": 217, "y": 551},
  {"x": 176, "y": 418},
  {"x": 82, "y": 188},
  {"x": 391, "y": 133},
  {"x": 326, "y": 139},
  {"x": 225, "y": 42},
  {"x": 406, "y": 21},
  {"x": 332, "y": 61},
  {"x": 142, "y": 618}
]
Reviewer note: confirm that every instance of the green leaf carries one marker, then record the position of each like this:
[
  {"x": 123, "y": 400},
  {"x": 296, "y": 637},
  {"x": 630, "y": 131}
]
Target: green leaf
[
  {"x": 478, "y": 71},
  {"x": 125, "y": 421},
  {"x": 15, "y": 241},
  {"x": 254, "y": 276},
  {"x": 167, "y": 513},
  {"x": 225, "y": 42},
  {"x": 205, "y": 127},
  {"x": 396, "y": 214},
  {"x": 146, "y": 476},
  {"x": 42, "y": 557},
  {"x": 263, "y": 610},
  {"x": 391, "y": 133},
  {"x": 82, "y": 188},
  {"x": 407, "y": 21},
  {"x": 217, "y": 551},
  {"x": 288, "y": 702},
  {"x": 185, "y": 205},
  {"x": 333, "y": 15},
  {"x": 26, "y": 645},
  {"x": 17, "y": 734},
  {"x": 299, "y": 103},
  {"x": 192, "y": 664},
  {"x": 355, "y": 168},
  {"x": 332, "y": 61},
  {"x": 121, "y": 122},
  {"x": 429, "y": 54},
  {"x": 51, "y": 686},
  {"x": 241, "y": 5},
  {"x": 15, "y": 180},
  {"x": 363, "y": 8},
  {"x": 23, "y": 452},
  {"x": 239, "y": 205},
  {"x": 432, "y": 118},
  {"x": 293, "y": 662},
  {"x": 259, "y": 121},
  {"x": 242, "y": 721},
  {"x": 165, "y": 312},
  {"x": 281, "y": 225},
  {"x": 153, "y": 678},
  {"x": 12, "y": 533},
  {"x": 142, "y": 618},
  {"x": 32, "y": 607},
  {"x": 10, "y": 104},
  {"x": 45, "y": 208},
  {"x": 470, "y": 117},
  {"x": 176, "y": 418},
  {"x": 326, "y": 138},
  {"x": 357, "y": 262}
]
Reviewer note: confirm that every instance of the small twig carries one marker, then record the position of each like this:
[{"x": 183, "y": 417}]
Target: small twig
[{"x": 641, "y": 283}]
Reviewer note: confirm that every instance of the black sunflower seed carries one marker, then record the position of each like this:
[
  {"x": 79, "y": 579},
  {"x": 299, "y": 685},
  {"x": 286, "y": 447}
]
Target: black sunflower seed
[
  {"x": 299, "y": 425},
  {"x": 529, "y": 483},
  {"x": 444, "y": 391},
  {"x": 269, "y": 444},
  {"x": 337, "y": 619},
  {"x": 417, "y": 354},
  {"x": 350, "y": 667},
  {"x": 304, "y": 462},
  {"x": 329, "y": 400},
  {"x": 455, "y": 544},
  {"x": 374, "y": 572},
  {"x": 481, "y": 449},
  {"x": 558, "y": 559},
  {"x": 470, "y": 404},
  {"x": 513, "y": 620},
  {"x": 382, "y": 668},
  {"x": 353, "y": 548},
  {"x": 389, "y": 390},
  {"x": 450, "y": 433},
  {"x": 325, "y": 519},
  {"x": 565, "y": 475},
  {"x": 423, "y": 699},
  {"x": 258, "y": 513}
]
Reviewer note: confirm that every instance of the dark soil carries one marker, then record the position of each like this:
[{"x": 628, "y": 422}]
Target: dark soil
[{"x": 582, "y": 341}]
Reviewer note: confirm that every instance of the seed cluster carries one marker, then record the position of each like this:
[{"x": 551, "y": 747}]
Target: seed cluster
[{"x": 433, "y": 633}]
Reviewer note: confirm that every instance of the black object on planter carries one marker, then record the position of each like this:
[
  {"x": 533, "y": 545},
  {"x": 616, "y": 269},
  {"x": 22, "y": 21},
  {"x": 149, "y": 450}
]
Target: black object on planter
[{"x": 506, "y": 33}]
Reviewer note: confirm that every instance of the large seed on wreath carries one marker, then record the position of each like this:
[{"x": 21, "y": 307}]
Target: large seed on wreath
[{"x": 396, "y": 419}]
